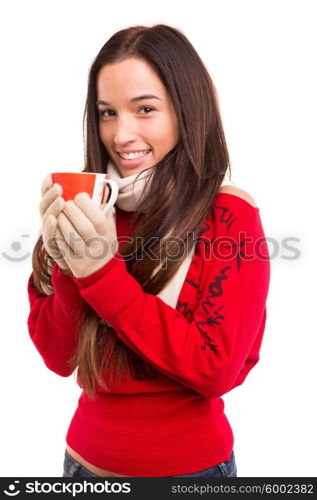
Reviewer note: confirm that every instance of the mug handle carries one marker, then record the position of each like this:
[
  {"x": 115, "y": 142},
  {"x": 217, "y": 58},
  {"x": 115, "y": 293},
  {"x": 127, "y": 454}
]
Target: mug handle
[{"x": 113, "y": 194}]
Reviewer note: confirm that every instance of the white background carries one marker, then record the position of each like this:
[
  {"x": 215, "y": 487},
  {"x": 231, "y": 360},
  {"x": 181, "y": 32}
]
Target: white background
[{"x": 261, "y": 56}]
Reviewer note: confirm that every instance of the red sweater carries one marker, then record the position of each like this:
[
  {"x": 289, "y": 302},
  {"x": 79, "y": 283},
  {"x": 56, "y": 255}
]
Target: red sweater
[{"x": 202, "y": 349}]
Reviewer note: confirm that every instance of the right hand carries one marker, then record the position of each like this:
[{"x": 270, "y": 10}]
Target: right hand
[{"x": 52, "y": 203}]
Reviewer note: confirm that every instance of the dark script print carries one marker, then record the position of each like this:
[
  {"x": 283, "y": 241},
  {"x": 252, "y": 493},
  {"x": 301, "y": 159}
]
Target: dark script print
[{"x": 213, "y": 303}]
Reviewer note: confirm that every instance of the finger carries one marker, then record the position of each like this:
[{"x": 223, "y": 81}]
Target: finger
[
  {"x": 46, "y": 184},
  {"x": 90, "y": 209},
  {"x": 84, "y": 225},
  {"x": 48, "y": 198},
  {"x": 111, "y": 213},
  {"x": 54, "y": 209},
  {"x": 58, "y": 256},
  {"x": 65, "y": 249},
  {"x": 70, "y": 234},
  {"x": 48, "y": 234}
]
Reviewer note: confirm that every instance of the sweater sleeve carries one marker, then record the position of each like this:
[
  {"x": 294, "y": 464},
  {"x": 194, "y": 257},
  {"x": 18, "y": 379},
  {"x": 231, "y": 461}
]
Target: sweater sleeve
[
  {"x": 53, "y": 321},
  {"x": 210, "y": 353}
]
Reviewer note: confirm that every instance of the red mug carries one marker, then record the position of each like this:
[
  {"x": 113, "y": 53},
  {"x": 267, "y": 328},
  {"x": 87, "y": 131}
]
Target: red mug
[{"x": 88, "y": 182}]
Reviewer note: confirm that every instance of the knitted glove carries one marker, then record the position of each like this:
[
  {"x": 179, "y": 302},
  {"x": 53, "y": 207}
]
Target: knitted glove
[
  {"x": 50, "y": 206},
  {"x": 86, "y": 236}
]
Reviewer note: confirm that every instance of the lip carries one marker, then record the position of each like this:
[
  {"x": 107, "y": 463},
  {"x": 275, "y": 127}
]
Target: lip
[
  {"x": 135, "y": 162},
  {"x": 132, "y": 150}
]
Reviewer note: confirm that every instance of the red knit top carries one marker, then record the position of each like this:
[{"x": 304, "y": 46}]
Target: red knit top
[{"x": 201, "y": 350}]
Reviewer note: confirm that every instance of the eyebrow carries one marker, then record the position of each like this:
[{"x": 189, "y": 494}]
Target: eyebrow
[{"x": 134, "y": 99}]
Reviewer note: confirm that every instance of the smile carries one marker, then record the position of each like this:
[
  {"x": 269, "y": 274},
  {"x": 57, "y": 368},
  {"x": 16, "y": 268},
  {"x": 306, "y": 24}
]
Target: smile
[{"x": 132, "y": 156}]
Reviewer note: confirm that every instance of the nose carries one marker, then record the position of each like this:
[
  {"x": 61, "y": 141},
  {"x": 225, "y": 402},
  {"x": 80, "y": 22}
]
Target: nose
[{"x": 124, "y": 131}]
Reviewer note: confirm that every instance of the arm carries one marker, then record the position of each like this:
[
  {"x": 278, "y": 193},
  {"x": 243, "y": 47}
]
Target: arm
[
  {"x": 53, "y": 321},
  {"x": 209, "y": 353}
]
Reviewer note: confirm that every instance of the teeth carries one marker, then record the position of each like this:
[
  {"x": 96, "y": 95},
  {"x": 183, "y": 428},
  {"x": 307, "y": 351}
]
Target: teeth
[{"x": 131, "y": 156}]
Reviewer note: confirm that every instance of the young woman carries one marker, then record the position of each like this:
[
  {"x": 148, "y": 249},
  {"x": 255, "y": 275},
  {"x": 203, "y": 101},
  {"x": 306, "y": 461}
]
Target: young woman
[{"x": 170, "y": 315}]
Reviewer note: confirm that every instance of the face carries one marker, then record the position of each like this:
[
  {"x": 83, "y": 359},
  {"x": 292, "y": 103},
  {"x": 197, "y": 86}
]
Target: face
[{"x": 130, "y": 123}]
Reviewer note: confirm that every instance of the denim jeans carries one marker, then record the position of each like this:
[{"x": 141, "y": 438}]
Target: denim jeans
[{"x": 223, "y": 469}]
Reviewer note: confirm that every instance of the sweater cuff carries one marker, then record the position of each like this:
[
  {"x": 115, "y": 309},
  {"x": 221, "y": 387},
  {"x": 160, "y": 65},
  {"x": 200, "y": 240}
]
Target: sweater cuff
[
  {"x": 114, "y": 294},
  {"x": 93, "y": 277}
]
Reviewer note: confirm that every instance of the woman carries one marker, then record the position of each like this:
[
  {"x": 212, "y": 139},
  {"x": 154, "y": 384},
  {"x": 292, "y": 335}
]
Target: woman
[{"x": 171, "y": 317}]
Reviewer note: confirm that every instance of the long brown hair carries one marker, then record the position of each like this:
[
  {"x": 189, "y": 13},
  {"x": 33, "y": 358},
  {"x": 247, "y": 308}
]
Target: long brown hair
[{"x": 181, "y": 192}]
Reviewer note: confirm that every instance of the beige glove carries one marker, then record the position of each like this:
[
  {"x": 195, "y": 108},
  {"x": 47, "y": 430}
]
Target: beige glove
[
  {"x": 86, "y": 236},
  {"x": 50, "y": 206}
]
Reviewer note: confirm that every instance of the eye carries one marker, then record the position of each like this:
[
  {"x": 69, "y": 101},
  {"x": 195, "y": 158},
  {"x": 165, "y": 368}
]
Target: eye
[
  {"x": 147, "y": 107},
  {"x": 102, "y": 112}
]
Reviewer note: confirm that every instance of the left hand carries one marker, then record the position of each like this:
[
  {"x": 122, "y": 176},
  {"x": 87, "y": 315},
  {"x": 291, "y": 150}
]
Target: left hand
[{"x": 86, "y": 236}]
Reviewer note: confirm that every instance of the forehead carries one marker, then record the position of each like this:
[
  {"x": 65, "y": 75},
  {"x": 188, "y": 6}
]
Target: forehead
[{"x": 128, "y": 78}]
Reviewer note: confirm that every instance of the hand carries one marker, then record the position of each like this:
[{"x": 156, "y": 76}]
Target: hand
[
  {"x": 86, "y": 236},
  {"x": 50, "y": 206}
]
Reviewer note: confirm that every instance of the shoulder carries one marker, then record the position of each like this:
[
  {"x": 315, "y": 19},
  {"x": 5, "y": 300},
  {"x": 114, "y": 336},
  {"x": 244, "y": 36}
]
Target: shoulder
[
  {"x": 231, "y": 211},
  {"x": 238, "y": 192}
]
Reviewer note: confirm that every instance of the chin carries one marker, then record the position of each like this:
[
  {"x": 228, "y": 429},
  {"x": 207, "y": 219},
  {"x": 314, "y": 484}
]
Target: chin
[{"x": 125, "y": 172}]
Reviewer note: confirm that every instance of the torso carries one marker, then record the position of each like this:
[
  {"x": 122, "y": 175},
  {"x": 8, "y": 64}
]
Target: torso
[
  {"x": 89, "y": 466},
  {"x": 106, "y": 473}
]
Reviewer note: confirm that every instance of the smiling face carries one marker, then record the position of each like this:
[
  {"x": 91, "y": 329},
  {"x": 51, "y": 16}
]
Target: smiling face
[{"x": 128, "y": 123}]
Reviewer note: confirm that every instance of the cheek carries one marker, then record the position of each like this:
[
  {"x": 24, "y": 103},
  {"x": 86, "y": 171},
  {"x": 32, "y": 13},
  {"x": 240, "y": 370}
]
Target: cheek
[
  {"x": 170, "y": 128},
  {"x": 168, "y": 134}
]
